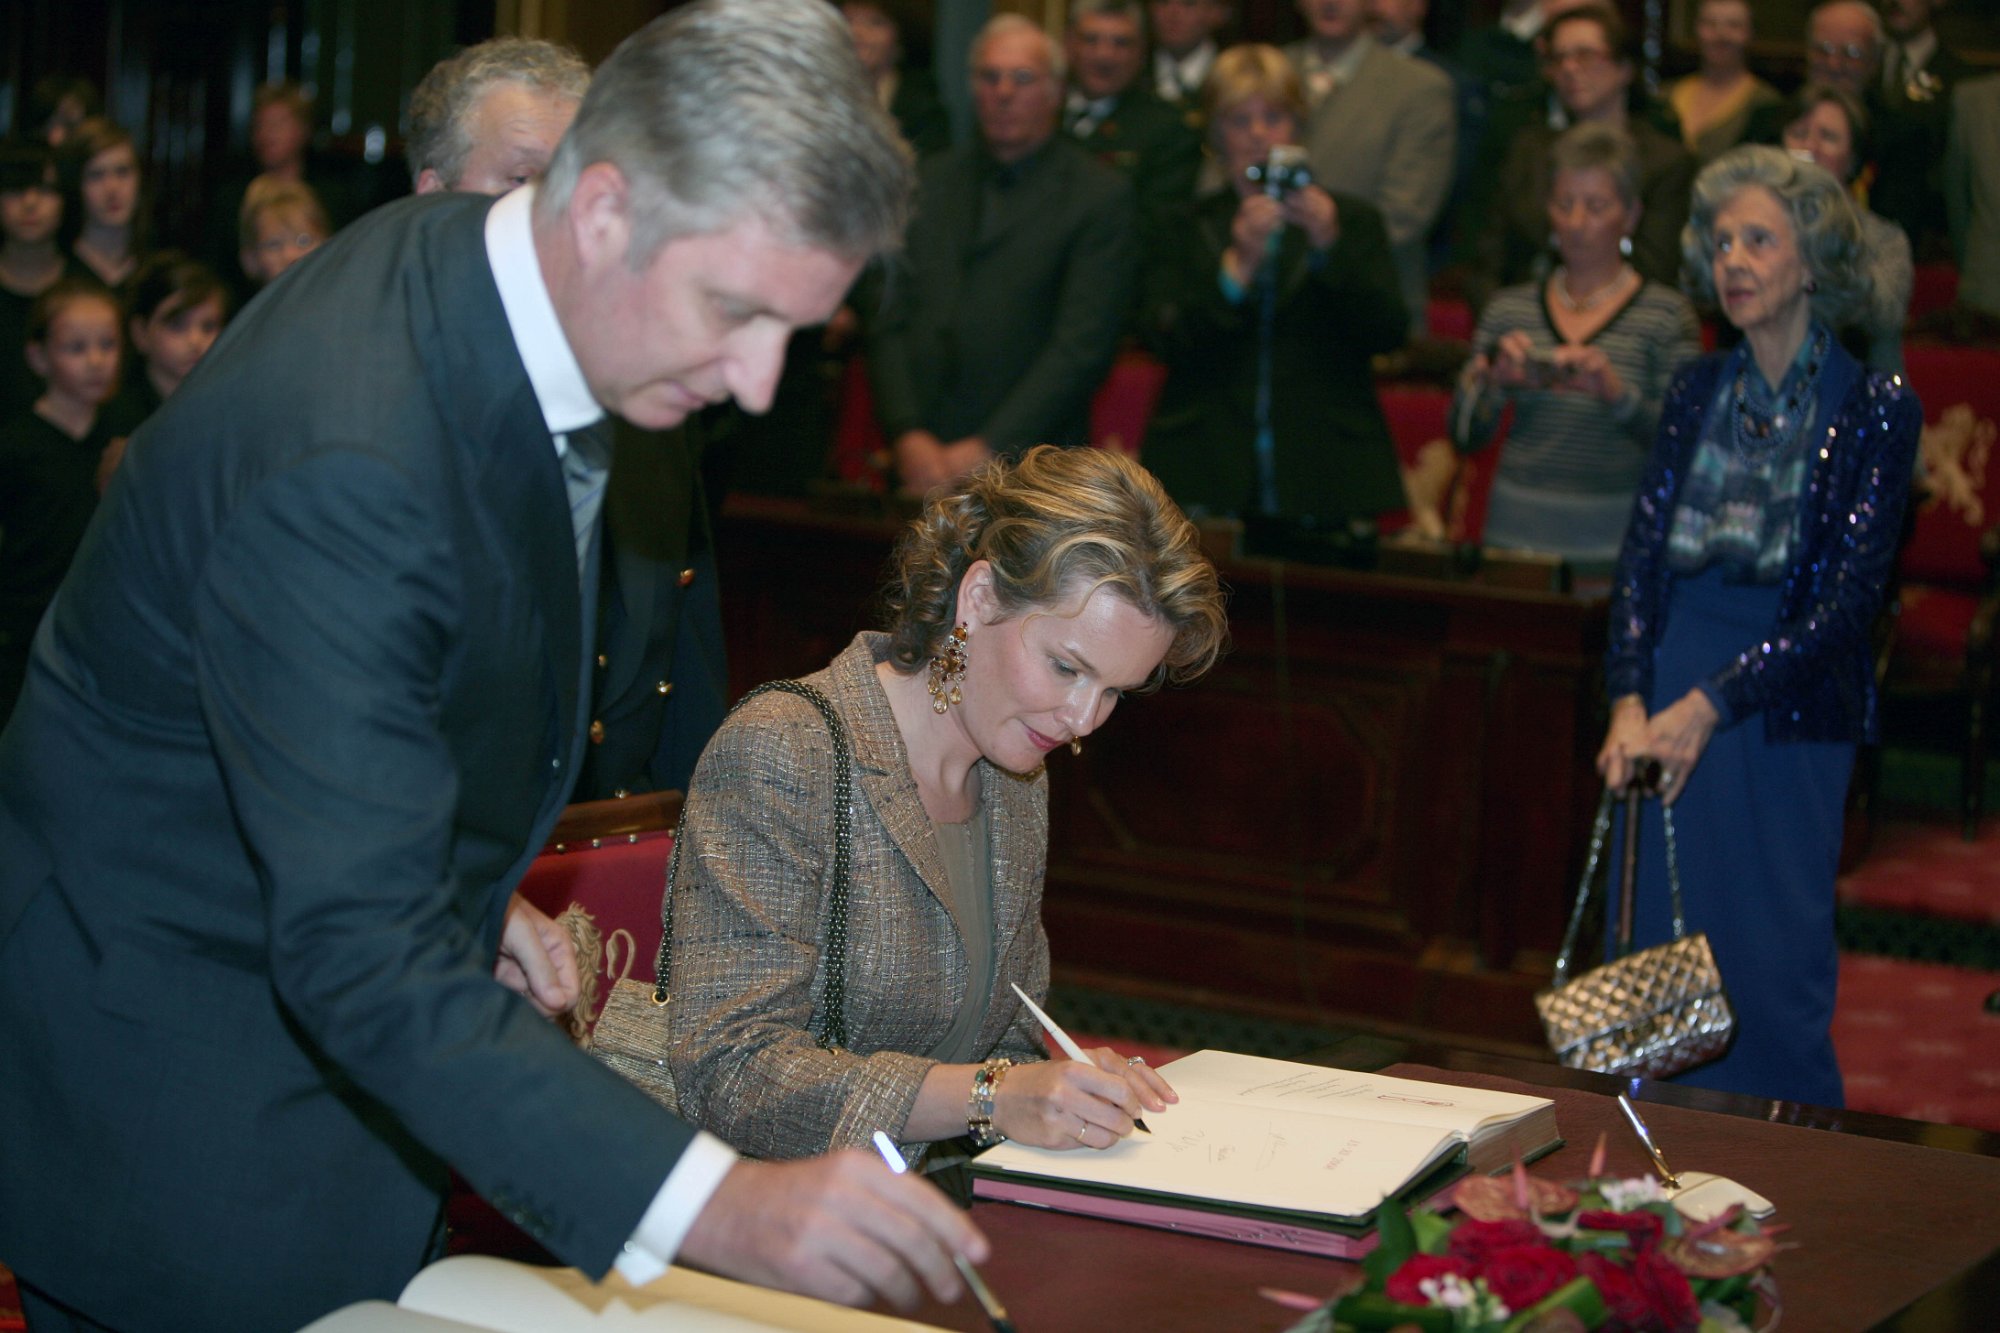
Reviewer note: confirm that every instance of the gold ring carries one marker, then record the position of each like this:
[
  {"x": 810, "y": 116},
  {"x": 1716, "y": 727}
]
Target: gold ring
[{"x": 1082, "y": 1130}]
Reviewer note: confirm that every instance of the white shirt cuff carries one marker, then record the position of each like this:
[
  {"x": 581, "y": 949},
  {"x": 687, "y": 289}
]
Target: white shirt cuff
[{"x": 682, "y": 1196}]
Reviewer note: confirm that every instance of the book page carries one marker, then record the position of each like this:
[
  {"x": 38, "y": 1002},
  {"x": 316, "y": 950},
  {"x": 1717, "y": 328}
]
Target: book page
[
  {"x": 1246, "y": 1153},
  {"x": 1253, "y": 1080},
  {"x": 509, "y": 1297}
]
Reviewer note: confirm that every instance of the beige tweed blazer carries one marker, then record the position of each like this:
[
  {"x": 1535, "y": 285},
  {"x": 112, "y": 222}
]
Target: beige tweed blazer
[{"x": 750, "y": 911}]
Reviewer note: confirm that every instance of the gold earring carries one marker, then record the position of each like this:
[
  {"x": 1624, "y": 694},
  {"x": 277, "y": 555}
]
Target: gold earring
[
  {"x": 947, "y": 670},
  {"x": 1075, "y": 745}
]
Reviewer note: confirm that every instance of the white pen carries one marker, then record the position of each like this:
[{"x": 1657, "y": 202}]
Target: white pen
[
  {"x": 996, "y": 1313},
  {"x": 1063, "y": 1039}
]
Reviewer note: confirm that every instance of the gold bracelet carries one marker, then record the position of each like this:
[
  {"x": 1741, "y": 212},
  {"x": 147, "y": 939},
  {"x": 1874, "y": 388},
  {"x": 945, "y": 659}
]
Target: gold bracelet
[{"x": 979, "y": 1115}]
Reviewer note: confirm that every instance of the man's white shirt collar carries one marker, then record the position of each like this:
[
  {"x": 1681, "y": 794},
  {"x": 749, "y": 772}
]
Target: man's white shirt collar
[{"x": 557, "y": 379}]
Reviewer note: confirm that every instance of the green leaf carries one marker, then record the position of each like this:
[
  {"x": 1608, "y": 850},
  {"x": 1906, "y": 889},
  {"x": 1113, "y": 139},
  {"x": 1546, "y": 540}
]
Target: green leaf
[
  {"x": 1373, "y": 1310},
  {"x": 1579, "y": 1296},
  {"x": 1398, "y": 1243}
]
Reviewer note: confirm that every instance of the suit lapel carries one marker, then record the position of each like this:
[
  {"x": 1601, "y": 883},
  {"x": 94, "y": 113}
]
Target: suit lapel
[
  {"x": 483, "y": 390},
  {"x": 882, "y": 770}
]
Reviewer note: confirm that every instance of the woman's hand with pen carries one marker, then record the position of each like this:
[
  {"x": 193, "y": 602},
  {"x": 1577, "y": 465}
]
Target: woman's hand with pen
[{"x": 1076, "y": 1103}]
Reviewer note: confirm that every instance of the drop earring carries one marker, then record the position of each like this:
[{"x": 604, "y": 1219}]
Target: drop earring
[
  {"x": 1075, "y": 745},
  {"x": 948, "y": 669},
  {"x": 1625, "y": 246}
]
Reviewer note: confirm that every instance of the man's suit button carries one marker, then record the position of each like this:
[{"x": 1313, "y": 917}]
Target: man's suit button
[
  {"x": 597, "y": 733},
  {"x": 602, "y": 661},
  {"x": 665, "y": 687},
  {"x": 687, "y": 577}
]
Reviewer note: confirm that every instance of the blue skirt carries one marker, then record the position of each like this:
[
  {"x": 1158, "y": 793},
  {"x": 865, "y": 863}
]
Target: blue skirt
[{"x": 1758, "y": 830}]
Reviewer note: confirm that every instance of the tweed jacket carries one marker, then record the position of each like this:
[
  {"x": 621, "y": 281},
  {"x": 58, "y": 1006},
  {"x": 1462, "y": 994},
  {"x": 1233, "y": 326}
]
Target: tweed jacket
[
  {"x": 750, "y": 920},
  {"x": 1812, "y": 676}
]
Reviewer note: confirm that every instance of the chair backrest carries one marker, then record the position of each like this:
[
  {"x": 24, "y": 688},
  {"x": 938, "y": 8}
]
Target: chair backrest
[
  {"x": 610, "y": 859},
  {"x": 1419, "y": 414},
  {"x": 1943, "y": 547}
]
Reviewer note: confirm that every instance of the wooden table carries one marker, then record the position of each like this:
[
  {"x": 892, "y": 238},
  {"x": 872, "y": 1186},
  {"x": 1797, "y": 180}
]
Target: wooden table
[
  {"x": 1896, "y": 1223},
  {"x": 1369, "y": 814}
]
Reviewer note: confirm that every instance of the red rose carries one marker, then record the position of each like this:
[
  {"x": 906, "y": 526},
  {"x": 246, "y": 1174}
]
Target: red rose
[
  {"x": 1475, "y": 1241},
  {"x": 1669, "y": 1298},
  {"x": 1523, "y": 1275},
  {"x": 1402, "y": 1284},
  {"x": 1623, "y": 1300},
  {"x": 1641, "y": 1227}
]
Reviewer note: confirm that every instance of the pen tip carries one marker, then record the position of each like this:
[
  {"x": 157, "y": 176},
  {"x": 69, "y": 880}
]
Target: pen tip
[{"x": 1140, "y": 1125}]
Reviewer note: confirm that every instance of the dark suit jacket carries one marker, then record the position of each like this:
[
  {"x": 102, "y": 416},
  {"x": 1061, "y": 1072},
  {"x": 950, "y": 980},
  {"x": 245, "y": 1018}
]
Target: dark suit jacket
[
  {"x": 1335, "y": 458},
  {"x": 302, "y": 713},
  {"x": 1153, "y": 144},
  {"x": 919, "y": 111},
  {"x": 1003, "y": 327},
  {"x": 661, "y": 683}
]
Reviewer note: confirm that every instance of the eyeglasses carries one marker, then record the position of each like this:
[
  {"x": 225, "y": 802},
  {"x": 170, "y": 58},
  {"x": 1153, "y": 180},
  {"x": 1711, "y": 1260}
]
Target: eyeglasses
[{"x": 1854, "y": 51}]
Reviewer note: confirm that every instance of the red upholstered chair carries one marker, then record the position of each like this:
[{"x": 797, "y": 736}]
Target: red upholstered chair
[
  {"x": 1941, "y": 642},
  {"x": 1418, "y": 415},
  {"x": 610, "y": 859},
  {"x": 1935, "y": 289},
  {"x": 1125, "y": 402}
]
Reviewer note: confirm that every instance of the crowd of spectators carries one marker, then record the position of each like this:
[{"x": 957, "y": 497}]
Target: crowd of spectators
[{"x": 1263, "y": 236}]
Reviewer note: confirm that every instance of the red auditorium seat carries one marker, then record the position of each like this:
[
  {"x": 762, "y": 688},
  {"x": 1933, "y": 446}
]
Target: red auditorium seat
[
  {"x": 1935, "y": 289},
  {"x": 1418, "y": 414},
  {"x": 1941, "y": 644}
]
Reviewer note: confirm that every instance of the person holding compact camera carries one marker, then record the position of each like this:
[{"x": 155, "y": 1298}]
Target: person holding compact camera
[
  {"x": 1584, "y": 358},
  {"x": 1266, "y": 300}
]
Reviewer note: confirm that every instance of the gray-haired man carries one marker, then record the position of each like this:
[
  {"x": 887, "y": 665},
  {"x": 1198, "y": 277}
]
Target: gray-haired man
[
  {"x": 488, "y": 119},
  {"x": 323, "y": 653}
]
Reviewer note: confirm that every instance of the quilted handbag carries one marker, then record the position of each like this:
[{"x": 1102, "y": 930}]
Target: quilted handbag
[{"x": 1655, "y": 1012}]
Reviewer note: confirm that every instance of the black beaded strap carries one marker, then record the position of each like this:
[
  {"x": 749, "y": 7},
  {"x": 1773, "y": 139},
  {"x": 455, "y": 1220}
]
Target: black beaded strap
[{"x": 834, "y": 1003}]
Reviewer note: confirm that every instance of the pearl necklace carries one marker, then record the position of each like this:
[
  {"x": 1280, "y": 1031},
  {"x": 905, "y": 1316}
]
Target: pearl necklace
[{"x": 1578, "y": 305}]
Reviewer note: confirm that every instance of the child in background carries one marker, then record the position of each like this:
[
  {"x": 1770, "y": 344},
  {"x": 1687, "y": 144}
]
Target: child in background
[
  {"x": 31, "y": 259},
  {"x": 282, "y": 223},
  {"x": 102, "y": 183},
  {"x": 176, "y": 312},
  {"x": 49, "y": 459}
]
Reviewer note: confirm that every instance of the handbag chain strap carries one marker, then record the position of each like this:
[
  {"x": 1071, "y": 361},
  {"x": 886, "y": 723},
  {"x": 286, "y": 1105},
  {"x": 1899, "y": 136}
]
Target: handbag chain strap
[
  {"x": 1600, "y": 832},
  {"x": 834, "y": 1002}
]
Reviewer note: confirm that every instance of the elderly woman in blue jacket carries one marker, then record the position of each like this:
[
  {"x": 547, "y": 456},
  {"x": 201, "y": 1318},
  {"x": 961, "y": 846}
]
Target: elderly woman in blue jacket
[{"x": 1760, "y": 545}]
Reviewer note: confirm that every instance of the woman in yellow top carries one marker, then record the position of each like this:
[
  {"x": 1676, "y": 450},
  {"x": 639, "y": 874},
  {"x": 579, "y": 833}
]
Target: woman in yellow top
[{"x": 1716, "y": 102}]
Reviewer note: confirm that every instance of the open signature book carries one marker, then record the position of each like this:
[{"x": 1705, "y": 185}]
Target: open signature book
[
  {"x": 477, "y": 1294},
  {"x": 1279, "y": 1153}
]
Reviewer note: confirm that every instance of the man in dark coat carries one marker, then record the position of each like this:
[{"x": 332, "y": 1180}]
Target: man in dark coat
[
  {"x": 1016, "y": 277},
  {"x": 311, "y": 699}
]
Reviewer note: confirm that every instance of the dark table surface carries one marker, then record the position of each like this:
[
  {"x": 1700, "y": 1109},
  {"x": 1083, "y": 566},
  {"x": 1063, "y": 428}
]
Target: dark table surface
[{"x": 1895, "y": 1223}]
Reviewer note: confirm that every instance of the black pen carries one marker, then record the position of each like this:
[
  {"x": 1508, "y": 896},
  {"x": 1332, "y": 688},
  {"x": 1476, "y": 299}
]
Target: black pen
[{"x": 996, "y": 1313}]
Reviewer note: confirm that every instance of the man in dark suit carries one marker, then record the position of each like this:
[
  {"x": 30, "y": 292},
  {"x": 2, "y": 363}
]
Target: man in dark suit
[
  {"x": 1017, "y": 276},
  {"x": 1122, "y": 122},
  {"x": 1918, "y": 75},
  {"x": 486, "y": 121},
  {"x": 1184, "y": 49},
  {"x": 311, "y": 699}
]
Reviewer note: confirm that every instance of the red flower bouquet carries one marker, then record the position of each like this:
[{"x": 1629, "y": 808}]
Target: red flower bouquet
[{"x": 1532, "y": 1256}]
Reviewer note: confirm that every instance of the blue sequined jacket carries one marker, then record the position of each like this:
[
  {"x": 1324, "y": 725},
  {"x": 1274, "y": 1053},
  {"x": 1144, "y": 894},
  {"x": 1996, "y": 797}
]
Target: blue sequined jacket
[{"x": 1813, "y": 676}]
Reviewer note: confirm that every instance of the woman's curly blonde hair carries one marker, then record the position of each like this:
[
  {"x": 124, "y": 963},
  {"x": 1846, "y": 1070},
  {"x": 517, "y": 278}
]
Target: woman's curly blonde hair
[{"x": 1056, "y": 524}]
